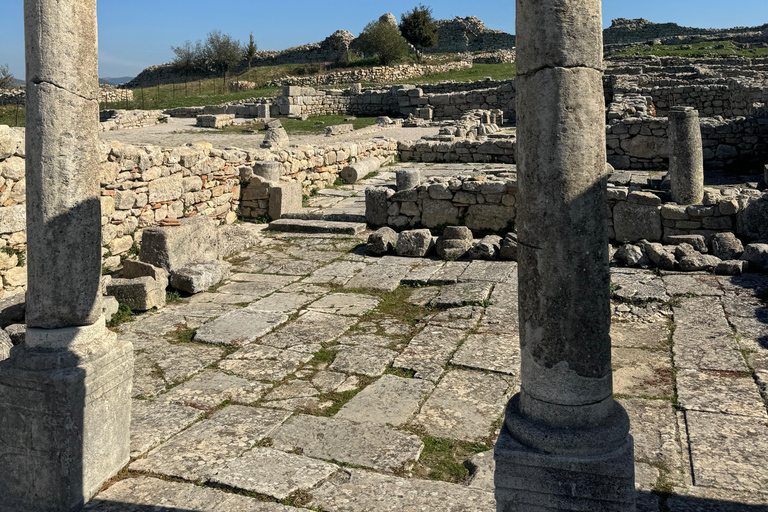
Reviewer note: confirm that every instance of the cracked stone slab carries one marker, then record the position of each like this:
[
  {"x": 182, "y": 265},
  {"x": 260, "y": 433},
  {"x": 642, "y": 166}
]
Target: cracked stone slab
[
  {"x": 703, "y": 340},
  {"x": 210, "y": 388},
  {"x": 640, "y": 335},
  {"x": 292, "y": 389},
  {"x": 148, "y": 381},
  {"x": 175, "y": 362},
  {"x": 638, "y": 286},
  {"x": 283, "y": 302},
  {"x": 347, "y": 304},
  {"x": 465, "y": 318},
  {"x": 720, "y": 392},
  {"x": 372, "y": 446},
  {"x": 145, "y": 494},
  {"x": 498, "y": 321},
  {"x": 240, "y": 327},
  {"x": 155, "y": 324},
  {"x": 422, "y": 296},
  {"x": 505, "y": 296},
  {"x": 429, "y": 351},
  {"x": 370, "y": 361},
  {"x": 365, "y": 340},
  {"x": 707, "y": 499},
  {"x": 257, "y": 287},
  {"x": 327, "y": 381},
  {"x": 728, "y": 452},
  {"x": 390, "y": 400},
  {"x": 264, "y": 363},
  {"x": 692, "y": 284},
  {"x": 383, "y": 278},
  {"x": 642, "y": 373},
  {"x": 361, "y": 490},
  {"x": 311, "y": 328},
  {"x": 652, "y": 424},
  {"x": 336, "y": 273},
  {"x": 422, "y": 274},
  {"x": 494, "y": 352},
  {"x": 196, "y": 453},
  {"x": 490, "y": 271},
  {"x": 474, "y": 293},
  {"x": 465, "y": 405},
  {"x": 154, "y": 422},
  {"x": 292, "y": 267},
  {"x": 481, "y": 469},
  {"x": 273, "y": 473},
  {"x": 449, "y": 273},
  {"x": 196, "y": 315}
]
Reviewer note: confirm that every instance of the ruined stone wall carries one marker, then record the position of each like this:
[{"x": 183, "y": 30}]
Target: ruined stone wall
[
  {"x": 112, "y": 120},
  {"x": 623, "y": 31},
  {"x": 107, "y": 93},
  {"x": 461, "y": 150},
  {"x": 141, "y": 186},
  {"x": 470, "y": 35},
  {"x": 642, "y": 143}
]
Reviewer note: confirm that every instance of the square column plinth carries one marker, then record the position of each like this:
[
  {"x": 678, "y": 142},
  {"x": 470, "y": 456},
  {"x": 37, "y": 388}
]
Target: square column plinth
[{"x": 64, "y": 428}]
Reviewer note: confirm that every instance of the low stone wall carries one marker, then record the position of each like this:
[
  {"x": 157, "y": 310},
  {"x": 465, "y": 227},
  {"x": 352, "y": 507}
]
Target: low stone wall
[
  {"x": 624, "y": 31},
  {"x": 642, "y": 143},
  {"x": 378, "y": 74},
  {"x": 143, "y": 186},
  {"x": 489, "y": 204},
  {"x": 112, "y": 120},
  {"x": 452, "y": 150},
  {"x": 107, "y": 93}
]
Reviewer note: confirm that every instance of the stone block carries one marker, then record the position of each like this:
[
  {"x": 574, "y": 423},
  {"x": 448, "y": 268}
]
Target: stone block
[
  {"x": 633, "y": 222},
  {"x": 452, "y": 249},
  {"x": 13, "y": 219},
  {"x": 381, "y": 242},
  {"x": 5, "y": 346},
  {"x": 508, "y": 250},
  {"x": 486, "y": 249},
  {"x": 269, "y": 171},
  {"x": 376, "y": 205},
  {"x": 757, "y": 256},
  {"x": 139, "y": 294},
  {"x": 726, "y": 246},
  {"x": 414, "y": 243},
  {"x": 199, "y": 277},
  {"x": 166, "y": 189},
  {"x": 407, "y": 179},
  {"x": 173, "y": 247},
  {"x": 489, "y": 217},
  {"x": 437, "y": 212},
  {"x": 284, "y": 197}
]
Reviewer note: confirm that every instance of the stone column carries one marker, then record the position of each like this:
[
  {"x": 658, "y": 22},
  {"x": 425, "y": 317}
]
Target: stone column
[
  {"x": 565, "y": 444},
  {"x": 65, "y": 393},
  {"x": 686, "y": 156}
]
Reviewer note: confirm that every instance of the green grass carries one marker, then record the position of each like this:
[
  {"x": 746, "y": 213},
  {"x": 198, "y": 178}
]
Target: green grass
[
  {"x": 705, "y": 49},
  {"x": 123, "y": 315},
  {"x": 506, "y": 71},
  {"x": 443, "y": 459},
  {"x": 12, "y": 115}
]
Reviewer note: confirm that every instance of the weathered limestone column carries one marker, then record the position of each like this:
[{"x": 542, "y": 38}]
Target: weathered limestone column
[
  {"x": 686, "y": 156},
  {"x": 65, "y": 394},
  {"x": 565, "y": 444}
]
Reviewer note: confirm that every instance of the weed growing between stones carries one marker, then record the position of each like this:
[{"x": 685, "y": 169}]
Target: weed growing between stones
[
  {"x": 403, "y": 373},
  {"x": 123, "y": 315},
  {"x": 172, "y": 297},
  {"x": 444, "y": 459},
  {"x": 20, "y": 255}
]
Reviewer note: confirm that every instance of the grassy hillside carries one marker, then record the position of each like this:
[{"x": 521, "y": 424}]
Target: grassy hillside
[{"x": 706, "y": 49}]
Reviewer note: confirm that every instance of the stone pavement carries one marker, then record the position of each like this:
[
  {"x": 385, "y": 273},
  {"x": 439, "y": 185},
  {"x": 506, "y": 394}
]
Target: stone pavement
[{"x": 300, "y": 384}]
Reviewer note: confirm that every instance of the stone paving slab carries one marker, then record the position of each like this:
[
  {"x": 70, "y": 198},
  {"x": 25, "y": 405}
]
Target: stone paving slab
[
  {"x": 636, "y": 286},
  {"x": 365, "y": 340},
  {"x": 347, "y": 304},
  {"x": 265, "y": 285},
  {"x": 382, "y": 278},
  {"x": 148, "y": 381},
  {"x": 292, "y": 389},
  {"x": 490, "y": 271},
  {"x": 499, "y": 322},
  {"x": 273, "y": 473},
  {"x": 283, "y": 302},
  {"x": 197, "y": 452},
  {"x": 465, "y": 318},
  {"x": 463, "y": 294},
  {"x": 481, "y": 468},
  {"x": 465, "y": 405},
  {"x": 372, "y": 492},
  {"x": 449, "y": 273},
  {"x": 703, "y": 339},
  {"x": 505, "y": 295},
  {"x": 642, "y": 373},
  {"x": 210, "y": 388},
  {"x": 372, "y": 446},
  {"x": 145, "y": 494},
  {"x": 155, "y": 324},
  {"x": 421, "y": 274},
  {"x": 494, "y": 352},
  {"x": 390, "y": 400},
  {"x": 264, "y": 363},
  {"x": 308, "y": 331},
  {"x": 728, "y": 452},
  {"x": 336, "y": 273},
  {"x": 370, "y": 361},
  {"x": 422, "y": 296},
  {"x": 640, "y": 335},
  {"x": 706, "y": 499},
  {"x": 720, "y": 392},
  {"x": 698, "y": 284},
  {"x": 176, "y": 362},
  {"x": 429, "y": 351},
  {"x": 154, "y": 422},
  {"x": 240, "y": 327},
  {"x": 292, "y": 267}
]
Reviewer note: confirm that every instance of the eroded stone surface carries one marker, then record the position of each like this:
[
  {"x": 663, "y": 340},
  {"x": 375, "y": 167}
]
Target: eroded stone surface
[
  {"x": 428, "y": 352},
  {"x": 239, "y": 327},
  {"x": 720, "y": 392},
  {"x": 703, "y": 339},
  {"x": 463, "y": 294},
  {"x": 642, "y": 373},
  {"x": 154, "y": 422},
  {"x": 370, "y": 361},
  {"x": 388, "y": 401},
  {"x": 494, "y": 352},
  {"x": 210, "y": 388},
  {"x": 350, "y": 304},
  {"x": 311, "y": 328}
]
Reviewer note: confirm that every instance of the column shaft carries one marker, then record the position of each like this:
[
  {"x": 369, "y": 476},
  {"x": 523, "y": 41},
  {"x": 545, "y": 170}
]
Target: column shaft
[{"x": 686, "y": 156}]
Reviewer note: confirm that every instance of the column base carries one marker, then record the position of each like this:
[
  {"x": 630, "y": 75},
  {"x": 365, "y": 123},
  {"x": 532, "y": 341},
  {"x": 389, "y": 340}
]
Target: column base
[
  {"x": 528, "y": 480},
  {"x": 64, "y": 423}
]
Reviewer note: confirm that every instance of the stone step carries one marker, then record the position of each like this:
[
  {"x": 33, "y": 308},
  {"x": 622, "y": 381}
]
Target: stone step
[
  {"x": 327, "y": 216},
  {"x": 317, "y": 226}
]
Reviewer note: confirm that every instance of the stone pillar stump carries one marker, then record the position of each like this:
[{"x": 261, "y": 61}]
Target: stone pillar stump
[{"x": 686, "y": 156}]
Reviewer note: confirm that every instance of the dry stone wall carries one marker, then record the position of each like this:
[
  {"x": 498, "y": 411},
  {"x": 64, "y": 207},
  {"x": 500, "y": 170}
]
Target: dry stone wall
[
  {"x": 112, "y": 120},
  {"x": 145, "y": 186},
  {"x": 624, "y": 31},
  {"x": 107, "y": 94},
  {"x": 470, "y": 35}
]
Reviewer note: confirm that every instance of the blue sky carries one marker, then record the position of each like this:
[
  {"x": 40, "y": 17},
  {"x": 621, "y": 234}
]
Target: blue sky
[{"x": 138, "y": 33}]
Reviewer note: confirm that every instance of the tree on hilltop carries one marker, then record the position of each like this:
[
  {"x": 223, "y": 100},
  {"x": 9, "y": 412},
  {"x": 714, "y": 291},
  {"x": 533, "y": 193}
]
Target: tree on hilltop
[
  {"x": 383, "y": 39},
  {"x": 250, "y": 51},
  {"x": 6, "y": 77},
  {"x": 419, "y": 28},
  {"x": 222, "y": 51}
]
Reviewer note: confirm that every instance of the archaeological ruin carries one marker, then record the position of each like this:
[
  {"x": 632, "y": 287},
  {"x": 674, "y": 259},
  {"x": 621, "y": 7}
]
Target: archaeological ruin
[{"x": 370, "y": 289}]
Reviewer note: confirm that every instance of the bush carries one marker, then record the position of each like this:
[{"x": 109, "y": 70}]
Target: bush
[
  {"x": 383, "y": 39},
  {"x": 6, "y": 77},
  {"x": 418, "y": 27}
]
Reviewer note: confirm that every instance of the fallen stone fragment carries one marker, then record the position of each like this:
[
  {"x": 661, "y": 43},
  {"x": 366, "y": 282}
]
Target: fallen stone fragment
[
  {"x": 508, "y": 250},
  {"x": 731, "y": 267},
  {"x": 139, "y": 294},
  {"x": 415, "y": 243},
  {"x": 757, "y": 256},
  {"x": 726, "y": 246},
  {"x": 486, "y": 249},
  {"x": 199, "y": 277},
  {"x": 631, "y": 255},
  {"x": 381, "y": 241}
]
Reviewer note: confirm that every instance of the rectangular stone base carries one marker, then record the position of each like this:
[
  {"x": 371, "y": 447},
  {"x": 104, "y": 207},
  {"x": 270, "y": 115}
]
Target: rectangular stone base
[
  {"x": 64, "y": 424},
  {"x": 530, "y": 481}
]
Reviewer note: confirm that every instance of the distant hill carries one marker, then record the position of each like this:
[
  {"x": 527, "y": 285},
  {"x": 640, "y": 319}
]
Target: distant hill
[
  {"x": 19, "y": 83},
  {"x": 115, "y": 81}
]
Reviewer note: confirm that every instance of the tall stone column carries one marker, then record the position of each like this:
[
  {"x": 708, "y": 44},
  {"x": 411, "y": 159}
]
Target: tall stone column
[
  {"x": 565, "y": 444},
  {"x": 686, "y": 156},
  {"x": 65, "y": 393}
]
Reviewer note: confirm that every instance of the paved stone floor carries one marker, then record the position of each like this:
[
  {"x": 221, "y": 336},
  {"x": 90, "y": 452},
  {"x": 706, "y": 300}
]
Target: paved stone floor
[{"x": 299, "y": 383}]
